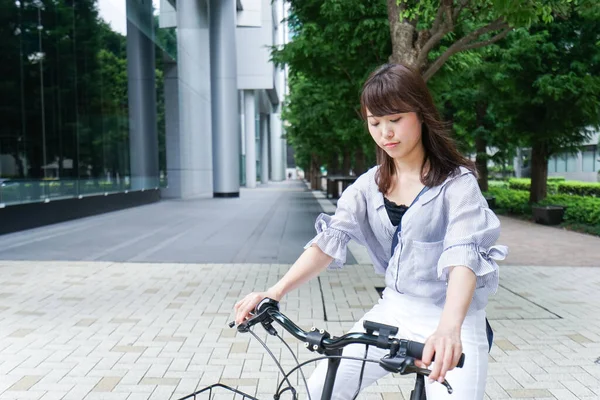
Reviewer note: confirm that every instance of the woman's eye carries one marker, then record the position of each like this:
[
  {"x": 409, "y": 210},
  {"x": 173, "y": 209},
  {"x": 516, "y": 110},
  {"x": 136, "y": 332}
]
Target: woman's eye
[
  {"x": 375, "y": 124},
  {"x": 395, "y": 120}
]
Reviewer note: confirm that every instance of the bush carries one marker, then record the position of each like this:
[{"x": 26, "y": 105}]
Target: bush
[
  {"x": 556, "y": 179},
  {"x": 512, "y": 201},
  {"x": 579, "y": 188},
  {"x": 519, "y": 184},
  {"x": 579, "y": 209},
  {"x": 501, "y": 184}
]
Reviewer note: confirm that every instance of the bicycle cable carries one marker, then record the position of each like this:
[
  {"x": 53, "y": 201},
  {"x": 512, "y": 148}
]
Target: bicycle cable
[
  {"x": 285, "y": 377},
  {"x": 324, "y": 358},
  {"x": 362, "y": 370},
  {"x": 297, "y": 363}
]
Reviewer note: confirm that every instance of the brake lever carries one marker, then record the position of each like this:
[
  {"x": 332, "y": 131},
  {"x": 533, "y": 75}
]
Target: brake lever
[
  {"x": 406, "y": 365},
  {"x": 259, "y": 318},
  {"x": 427, "y": 372}
]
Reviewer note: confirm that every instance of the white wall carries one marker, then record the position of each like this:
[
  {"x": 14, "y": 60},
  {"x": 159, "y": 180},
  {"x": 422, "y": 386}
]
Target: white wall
[{"x": 254, "y": 70}]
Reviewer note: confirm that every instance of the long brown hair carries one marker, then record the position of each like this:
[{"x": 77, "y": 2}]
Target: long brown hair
[{"x": 394, "y": 89}]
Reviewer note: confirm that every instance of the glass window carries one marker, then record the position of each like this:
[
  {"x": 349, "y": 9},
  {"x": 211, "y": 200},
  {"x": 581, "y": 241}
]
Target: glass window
[
  {"x": 64, "y": 109},
  {"x": 572, "y": 163},
  {"x": 561, "y": 163},
  {"x": 552, "y": 164},
  {"x": 589, "y": 161}
]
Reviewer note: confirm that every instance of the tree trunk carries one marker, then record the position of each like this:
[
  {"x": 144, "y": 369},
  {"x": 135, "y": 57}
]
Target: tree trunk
[
  {"x": 315, "y": 173},
  {"x": 481, "y": 160},
  {"x": 333, "y": 166},
  {"x": 346, "y": 162},
  {"x": 539, "y": 172},
  {"x": 359, "y": 162},
  {"x": 402, "y": 35}
]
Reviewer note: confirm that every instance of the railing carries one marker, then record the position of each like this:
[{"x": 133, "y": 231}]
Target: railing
[{"x": 21, "y": 191}]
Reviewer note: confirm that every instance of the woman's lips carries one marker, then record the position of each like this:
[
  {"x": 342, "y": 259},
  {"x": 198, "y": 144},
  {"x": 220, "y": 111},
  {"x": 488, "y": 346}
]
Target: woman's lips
[{"x": 391, "y": 145}]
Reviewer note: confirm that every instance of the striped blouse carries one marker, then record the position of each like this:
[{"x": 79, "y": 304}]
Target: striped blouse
[{"x": 449, "y": 225}]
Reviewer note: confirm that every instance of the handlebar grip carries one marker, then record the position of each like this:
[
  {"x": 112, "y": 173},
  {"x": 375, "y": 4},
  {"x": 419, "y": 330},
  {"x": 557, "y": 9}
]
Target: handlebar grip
[{"x": 415, "y": 350}]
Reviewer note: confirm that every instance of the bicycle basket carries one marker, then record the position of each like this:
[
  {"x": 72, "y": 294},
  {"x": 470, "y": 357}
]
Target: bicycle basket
[{"x": 211, "y": 392}]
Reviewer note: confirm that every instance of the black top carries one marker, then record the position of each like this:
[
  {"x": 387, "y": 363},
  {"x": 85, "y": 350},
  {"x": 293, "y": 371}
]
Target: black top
[{"x": 394, "y": 211}]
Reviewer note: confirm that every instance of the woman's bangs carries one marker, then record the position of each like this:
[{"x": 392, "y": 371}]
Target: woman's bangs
[{"x": 381, "y": 97}]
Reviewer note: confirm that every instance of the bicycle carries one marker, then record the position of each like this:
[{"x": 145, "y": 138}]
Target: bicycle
[{"x": 401, "y": 358}]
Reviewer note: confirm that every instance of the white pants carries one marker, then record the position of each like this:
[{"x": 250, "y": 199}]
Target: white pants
[{"x": 416, "y": 320}]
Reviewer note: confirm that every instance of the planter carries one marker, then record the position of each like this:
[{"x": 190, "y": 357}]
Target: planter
[
  {"x": 491, "y": 200},
  {"x": 548, "y": 215}
]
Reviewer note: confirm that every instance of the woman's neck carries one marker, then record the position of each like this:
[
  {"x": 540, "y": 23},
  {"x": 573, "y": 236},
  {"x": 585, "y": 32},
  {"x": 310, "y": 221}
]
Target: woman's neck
[{"x": 412, "y": 164}]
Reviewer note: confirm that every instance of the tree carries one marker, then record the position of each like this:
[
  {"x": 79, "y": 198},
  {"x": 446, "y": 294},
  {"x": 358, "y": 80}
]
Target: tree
[
  {"x": 548, "y": 85},
  {"x": 335, "y": 47},
  {"x": 419, "y": 26}
]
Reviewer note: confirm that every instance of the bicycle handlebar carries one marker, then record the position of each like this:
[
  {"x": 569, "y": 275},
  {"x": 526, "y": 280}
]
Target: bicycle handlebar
[{"x": 270, "y": 308}]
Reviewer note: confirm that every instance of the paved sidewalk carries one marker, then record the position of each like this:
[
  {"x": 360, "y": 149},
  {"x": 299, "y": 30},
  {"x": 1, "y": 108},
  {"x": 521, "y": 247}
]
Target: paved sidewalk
[
  {"x": 93, "y": 329},
  {"x": 268, "y": 224},
  {"x": 534, "y": 244}
]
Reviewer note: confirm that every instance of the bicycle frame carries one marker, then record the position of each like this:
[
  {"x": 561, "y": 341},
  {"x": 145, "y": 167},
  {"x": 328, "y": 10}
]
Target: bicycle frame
[{"x": 400, "y": 358}]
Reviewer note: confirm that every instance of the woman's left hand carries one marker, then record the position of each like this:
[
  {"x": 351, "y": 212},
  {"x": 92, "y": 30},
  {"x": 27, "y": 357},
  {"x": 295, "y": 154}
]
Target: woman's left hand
[{"x": 445, "y": 343}]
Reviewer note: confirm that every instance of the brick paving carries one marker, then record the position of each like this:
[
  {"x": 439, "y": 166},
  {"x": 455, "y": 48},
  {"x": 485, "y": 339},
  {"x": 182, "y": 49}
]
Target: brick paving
[
  {"x": 93, "y": 330},
  {"x": 113, "y": 330}
]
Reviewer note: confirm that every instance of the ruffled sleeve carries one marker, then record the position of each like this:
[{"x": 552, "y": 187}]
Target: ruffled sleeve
[
  {"x": 472, "y": 232},
  {"x": 335, "y": 231}
]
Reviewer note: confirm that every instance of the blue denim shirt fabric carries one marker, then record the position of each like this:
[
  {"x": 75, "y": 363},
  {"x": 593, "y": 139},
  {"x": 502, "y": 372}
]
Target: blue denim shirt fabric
[{"x": 448, "y": 225}]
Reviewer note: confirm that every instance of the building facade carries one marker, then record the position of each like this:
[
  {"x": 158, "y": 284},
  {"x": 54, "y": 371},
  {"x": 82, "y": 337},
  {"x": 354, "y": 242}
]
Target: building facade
[
  {"x": 108, "y": 98},
  {"x": 583, "y": 165}
]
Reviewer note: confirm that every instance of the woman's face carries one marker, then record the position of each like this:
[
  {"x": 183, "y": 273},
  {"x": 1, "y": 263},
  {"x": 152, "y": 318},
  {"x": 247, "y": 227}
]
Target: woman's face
[{"x": 397, "y": 134}]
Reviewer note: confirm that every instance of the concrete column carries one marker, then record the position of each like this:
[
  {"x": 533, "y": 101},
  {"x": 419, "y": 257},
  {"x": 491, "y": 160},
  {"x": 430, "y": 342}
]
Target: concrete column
[
  {"x": 143, "y": 136},
  {"x": 223, "y": 78},
  {"x": 277, "y": 167},
  {"x": 518, "y": 161},
  {"x": 250, "y": 137},
  {"x": 171, "y": 82},
  {"x": 189, "y": 138},
  {"x": 264, "y": 147}
]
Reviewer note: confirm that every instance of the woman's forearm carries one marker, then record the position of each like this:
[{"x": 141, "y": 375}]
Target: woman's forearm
[
  {"x": 310, "y": 264},
  {"x": 461, "y": 286}
]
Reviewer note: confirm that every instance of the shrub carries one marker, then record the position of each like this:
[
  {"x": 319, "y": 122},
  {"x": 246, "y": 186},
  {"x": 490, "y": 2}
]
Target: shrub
[
  {"x": 501, "y": 184},
  {"x": 525, "y": 184},
  {"x": 519, "y": 184},
  {"x": 512, "y": 201},
  {"x": 579, "y": 188},
  {"x": 579, "y": 209}
]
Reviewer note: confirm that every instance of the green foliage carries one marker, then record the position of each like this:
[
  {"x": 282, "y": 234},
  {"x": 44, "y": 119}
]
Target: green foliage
[
  {"x": 559, "y": 185},
  {"x": 499, "y": 184},
  {"x": 556, "y": 179},
  {"x": 581, "y": 210},
  {"x": 511, "y": 201},
  {"x": 579, "y": 188},
  {"x": 336, "y": 44},
  {"x": 539, "y": 88}
]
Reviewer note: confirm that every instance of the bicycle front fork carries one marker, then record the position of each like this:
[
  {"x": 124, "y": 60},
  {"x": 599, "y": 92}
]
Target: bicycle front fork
[
  {"x": 419, "y": 392},
  {"x": 332, "y": 367}
]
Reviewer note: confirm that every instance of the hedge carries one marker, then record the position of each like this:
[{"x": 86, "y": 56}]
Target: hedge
[
  {"x": 580, "y": 209},
  {"x": 579, "y": 188},
  {"x": 559, "y": 185},
  {"x": 512, "y": 201}
]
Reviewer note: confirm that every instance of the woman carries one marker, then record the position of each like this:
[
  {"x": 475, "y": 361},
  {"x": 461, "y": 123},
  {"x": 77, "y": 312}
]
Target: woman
[{"x": 426, "y": 226}]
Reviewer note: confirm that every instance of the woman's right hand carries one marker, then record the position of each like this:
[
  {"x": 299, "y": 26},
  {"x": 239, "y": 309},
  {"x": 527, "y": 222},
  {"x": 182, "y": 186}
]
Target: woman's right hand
[{"x": 245, "y": 306}]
